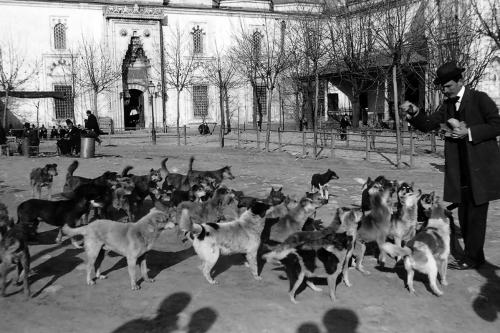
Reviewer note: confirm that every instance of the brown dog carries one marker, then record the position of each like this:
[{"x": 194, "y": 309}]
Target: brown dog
[
  {"x": 43, "y": 177},
  {"x": 14, "y": 250},
  {"x": 131, "y": 240}
]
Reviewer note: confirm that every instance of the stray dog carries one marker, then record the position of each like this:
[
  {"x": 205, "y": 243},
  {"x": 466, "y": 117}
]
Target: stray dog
[
  {"x": 5, "y": 222},
  {"x": 59, "y": 213},
  {"x": 209, "y": 211},
  {"x": 131, "y": 240},
  {"x": 142, "y": 186},
  {"x": 391, "y": 185},
  {"x": 242, "y": 235},
  {"x": 174, "y": 181},
  {"x": 404, "y": 220},
  {"x": 293, "y": 221},
  {"x": 374, "y": 226},
  {"x": 194, "y": 194},
  {"x": 283, "y": 208},
  {"x": 318, "y": 181},
  {"x": 14, "y": 250},
  {"x": 312, "y": 254},
  {"x": 43, "y": 177},
  {"x": 275, "y": 198},
  {"x": 215, "y": 176},
  {"x": 424, "y": 204},
  {"x": 73, "y": 182},
  {"x": 428, "y": 251},
  {"x": 121, "y": 197}
]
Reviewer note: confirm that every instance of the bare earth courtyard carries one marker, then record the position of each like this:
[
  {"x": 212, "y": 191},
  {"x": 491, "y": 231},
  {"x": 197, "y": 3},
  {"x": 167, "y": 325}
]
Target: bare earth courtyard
[{"x": 181, "y": 300}]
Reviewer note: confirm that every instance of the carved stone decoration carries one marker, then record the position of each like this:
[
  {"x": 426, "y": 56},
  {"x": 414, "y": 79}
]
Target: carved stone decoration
[
  {"x": 123, "y": 32},
  {"x": 136, "y": 11},
  {"x": 147, "y": 33}
]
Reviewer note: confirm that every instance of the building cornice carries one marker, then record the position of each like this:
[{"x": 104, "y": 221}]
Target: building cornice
[{"x": 134, "y": 12}]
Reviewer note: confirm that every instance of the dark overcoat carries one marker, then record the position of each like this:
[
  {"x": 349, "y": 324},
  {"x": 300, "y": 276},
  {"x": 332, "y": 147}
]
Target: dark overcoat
[
  {"x": 92, "y": 124},
  {"x": 483, "y": 154}
]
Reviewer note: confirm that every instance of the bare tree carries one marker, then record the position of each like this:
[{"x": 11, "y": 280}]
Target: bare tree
[
  {"x": 98, "y": 70},
  {"x": 180, "y": 63},
  {"x": 15, "y": 69},
  {"x": 221, "y": 72},
  {"x": 488, "y": 13}
]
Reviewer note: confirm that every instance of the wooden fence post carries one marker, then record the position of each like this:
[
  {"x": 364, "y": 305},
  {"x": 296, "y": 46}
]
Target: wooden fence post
[
  {"x": 239, "y": 145},
  {"x": 109, "y": 135},
  {"x": 258, "y": 140},
  {"x": 347, "y": 137},
  {"x": 303, "y": 142},
  {"x": 433, "y": 142},
  {"x": 374, "y": 133},
  {"x": 332, "y": 143},
  {"x": 412, "y": 149},
  {"x": 279, "y": 139},
  {"x": 185, "y": 138},
  {"x": 367, "y": 133}
]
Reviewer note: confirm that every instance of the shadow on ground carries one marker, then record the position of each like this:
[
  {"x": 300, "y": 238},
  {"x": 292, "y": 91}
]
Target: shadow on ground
[{"x": 334, "y": 320}]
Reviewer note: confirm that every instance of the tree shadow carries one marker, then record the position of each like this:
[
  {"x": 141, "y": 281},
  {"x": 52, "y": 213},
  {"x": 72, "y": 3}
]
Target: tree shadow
[
  {"x": 335, "y": 321},
  {"x": 56, "y": 267},
  {"x": 487, "y": 303},
  {"x": 168, "y": 316}
]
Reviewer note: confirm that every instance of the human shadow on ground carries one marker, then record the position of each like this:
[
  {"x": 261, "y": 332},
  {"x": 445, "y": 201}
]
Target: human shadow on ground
[
  {"x": 168, "y": 317},
  {"x": 56, "y": 267},
  {"x": 487, "y": 303},
  {"x": 439, "y": 167},
  {"x": 156, "y": 261},
  {"x": 334, "y": 320}
]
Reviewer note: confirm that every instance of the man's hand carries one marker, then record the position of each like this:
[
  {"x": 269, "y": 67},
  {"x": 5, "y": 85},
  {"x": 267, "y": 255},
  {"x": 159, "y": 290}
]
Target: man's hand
[{"x": 460, "y": 132}]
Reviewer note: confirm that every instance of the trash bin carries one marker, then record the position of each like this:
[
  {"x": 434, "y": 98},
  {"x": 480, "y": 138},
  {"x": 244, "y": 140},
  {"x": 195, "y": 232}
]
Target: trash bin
[
  {"x": 87, "y": 149},
  {"x": 25, "y": 147}
]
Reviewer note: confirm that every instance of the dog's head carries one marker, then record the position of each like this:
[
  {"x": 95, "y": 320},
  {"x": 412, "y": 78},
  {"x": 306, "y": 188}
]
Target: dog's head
[
  {"x": 426, "y": 201},
  {"x": 226, "y": 172},
  {"x": 275, "y": 197},
  {"x": 308, "y": 205},
  {"x": 437, "y": 213},
  {"x": 51, "y": 169},
  {"x": 259, "y": 208},
  {"x": 331, "y": 175},
  {"x": 410, "y": 199},
  {"x": 403, "y": 188},
  {"x": 197, "y": 191},
  {"x": 162, "y": 219},
  {"x": 155, "y": 175},
  {"x": 316, "y": 196}
]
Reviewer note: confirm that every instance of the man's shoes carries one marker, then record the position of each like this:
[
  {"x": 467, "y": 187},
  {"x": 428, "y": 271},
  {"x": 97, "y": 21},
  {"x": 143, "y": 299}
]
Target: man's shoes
[{"x": 462, "y": 265}]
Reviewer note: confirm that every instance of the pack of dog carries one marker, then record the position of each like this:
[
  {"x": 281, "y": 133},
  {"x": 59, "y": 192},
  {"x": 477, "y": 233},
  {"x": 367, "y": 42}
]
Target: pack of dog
[
  {"x": 381, "y": 181},
  {"x": 427, "y": 252},
  {"x": 213, "y": 175},
  {"x": 142, "y": 184},
  {"x": 319, "y": 182},
  {"x": 43, "y": 177},
  {"x": 210, "y": 240},
  {"x": 131, "y": 240}
]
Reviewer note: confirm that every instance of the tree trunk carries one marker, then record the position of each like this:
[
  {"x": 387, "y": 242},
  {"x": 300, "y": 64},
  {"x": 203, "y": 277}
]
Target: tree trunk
[
  {"x": 268, "y": 134},
  {"x": 356, "y": 106},
  {"x": 315, "y": 124},
  {"x": 254, "y": 105},
  {"x": 95, "y": 104},
  {"x": 4, "y": 120},
  {"x": 226, "y": 95},
  {"x": 298, "y": 115},
  {"x": 178, "y": 116},
  {"x": 222, "y": 121},
  {"x": 396, "y": 118},
  {"x": 402, "y": 98}
]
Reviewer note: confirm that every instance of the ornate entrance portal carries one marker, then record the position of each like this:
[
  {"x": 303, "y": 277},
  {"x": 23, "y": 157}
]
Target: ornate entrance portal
[{"x": 135, "y": 74}]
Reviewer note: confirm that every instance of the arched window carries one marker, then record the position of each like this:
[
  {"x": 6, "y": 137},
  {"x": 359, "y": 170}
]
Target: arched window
[
  {"x": 256, "y": 43},
  {"x": 59, "y": 36},
  {"x": 198, "y": 39}
]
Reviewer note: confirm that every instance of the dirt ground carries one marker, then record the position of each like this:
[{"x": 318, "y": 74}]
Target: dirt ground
[{"x": 181, "y": 300}]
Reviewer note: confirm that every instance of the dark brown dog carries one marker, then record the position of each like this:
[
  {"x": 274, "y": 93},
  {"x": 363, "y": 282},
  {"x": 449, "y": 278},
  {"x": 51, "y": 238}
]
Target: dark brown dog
[
  {"x": 73, "y": 182},
  {"x": 43, "y": 177},
  {"x": 143, "y": 185},
  {"x": 214, "y": 176}
]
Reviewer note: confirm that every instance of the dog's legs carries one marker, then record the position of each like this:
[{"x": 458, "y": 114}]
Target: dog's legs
[
  {"x": 252, "y": 262},
  {"x": 144, "y": 268},
  {"x": 93, "y": 251},
  {"x": 313, "y": 286},
  {"x": 382, "y": 255},
  {"x": 97, "y": 265},
  {"x": 345, "y": 272},
  {"x": 210, "y": 259},
  {"x": 59, "y": 236},
  {"x": 131, "y": 262},
  {"x": 39, "y": 189},
  {"x": 49, "y": 188},
  {"x": 410, "y": 273},
  {"x": 432, "y": 272},
  {"x": 32, "y": 190},
  {"x": 332, "y": 281},
  {"x": 397, "y": 242},
  {"x": 75, "y": 243},
  {"x": 295, "y": 287},
  {"x": 26, "y": 269},
  {"x": 359, "y": 259},
  {"x": 444, "y": 267}
]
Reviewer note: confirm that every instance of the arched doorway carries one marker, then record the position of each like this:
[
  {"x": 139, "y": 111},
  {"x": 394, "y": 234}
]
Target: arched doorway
[{"x": 134, "y": 109}]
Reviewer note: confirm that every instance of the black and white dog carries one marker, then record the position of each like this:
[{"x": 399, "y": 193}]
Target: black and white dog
[{"x": 319, "y": 182}]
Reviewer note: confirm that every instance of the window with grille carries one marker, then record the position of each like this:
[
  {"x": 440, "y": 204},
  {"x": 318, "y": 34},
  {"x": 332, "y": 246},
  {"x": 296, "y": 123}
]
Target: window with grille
[
  {"x": 262, "y": 99},
  {"x": 198, "y": 39},
  {"x": 256, "y": 43},
  {"x": 64, "y": 108},
  {"x": 59, "y": 36},
  {"x": 200, "y": 101}
]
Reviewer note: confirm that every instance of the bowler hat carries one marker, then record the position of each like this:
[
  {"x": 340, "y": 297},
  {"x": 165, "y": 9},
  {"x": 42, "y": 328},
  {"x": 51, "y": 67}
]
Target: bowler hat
[{"x": 446, "y": 72}]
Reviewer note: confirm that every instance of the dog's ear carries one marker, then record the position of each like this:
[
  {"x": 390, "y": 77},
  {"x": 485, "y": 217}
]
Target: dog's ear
[
  {"x": 411, "y": 185},
  {"x": 280, "y": 189},
  {"x": 272, "y": 190},
  {"x": 431, "y": 195},
  {"x": 55, "y": 165},
  {"x": 369, "y": 182}
]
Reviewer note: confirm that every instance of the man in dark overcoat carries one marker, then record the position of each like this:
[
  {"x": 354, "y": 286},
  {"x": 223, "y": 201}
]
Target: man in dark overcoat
[{"x": 472, "y": 157}]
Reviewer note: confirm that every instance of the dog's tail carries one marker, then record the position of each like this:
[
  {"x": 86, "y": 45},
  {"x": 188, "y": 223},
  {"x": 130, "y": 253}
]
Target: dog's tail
[
  {"x": 72, "y": 167},
  {"x": 186, "y": 224},
  {"x": 395, "y": 250},
  {"x": 360, "y": 181},
  {"x": 164, "y": 166},
  {"x": 126, "y": 170},
  {"x": 71, "y": 232},
  {"x": 278, "y": 253},
  {"x": 191, "y": 160}
]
